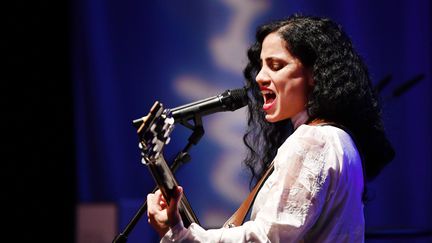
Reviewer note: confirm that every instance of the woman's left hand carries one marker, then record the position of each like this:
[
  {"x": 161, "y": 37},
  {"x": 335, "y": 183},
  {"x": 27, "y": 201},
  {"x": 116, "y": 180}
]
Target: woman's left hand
[{"x": 162, "y": 216}]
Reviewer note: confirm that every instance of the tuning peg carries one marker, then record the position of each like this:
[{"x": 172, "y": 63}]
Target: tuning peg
[
  {"x": 170, "y": 120},
  {"x": 142, "y": 146},
  {"x": 155, "y": 148},
  {"x": 165, "y": 126},
  {"x": 153, "y": 128},
  {"x": 167, "y": 133}
]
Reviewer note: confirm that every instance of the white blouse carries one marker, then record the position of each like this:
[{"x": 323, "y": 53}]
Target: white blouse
[{"x": 313, "y": 195}]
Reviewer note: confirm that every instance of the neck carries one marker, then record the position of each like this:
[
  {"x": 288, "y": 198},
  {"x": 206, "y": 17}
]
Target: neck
[{"x": 299, "y": 119}]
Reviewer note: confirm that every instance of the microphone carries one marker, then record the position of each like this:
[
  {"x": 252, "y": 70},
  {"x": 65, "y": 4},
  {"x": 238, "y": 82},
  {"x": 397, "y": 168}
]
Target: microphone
[{"x": 229, "y": 100}]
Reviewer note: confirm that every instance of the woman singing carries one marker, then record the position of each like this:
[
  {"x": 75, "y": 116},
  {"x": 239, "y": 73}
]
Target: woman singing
[{"x": 314, "y": 118}]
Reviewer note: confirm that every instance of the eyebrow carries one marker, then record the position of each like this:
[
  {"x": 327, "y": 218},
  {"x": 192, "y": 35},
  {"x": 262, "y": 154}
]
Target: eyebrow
[{"x": 274, "y": 59}]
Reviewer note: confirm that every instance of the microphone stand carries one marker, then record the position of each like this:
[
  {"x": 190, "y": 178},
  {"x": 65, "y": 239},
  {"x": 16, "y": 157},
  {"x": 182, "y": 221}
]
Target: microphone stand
[{"x": 182, "y": 158}]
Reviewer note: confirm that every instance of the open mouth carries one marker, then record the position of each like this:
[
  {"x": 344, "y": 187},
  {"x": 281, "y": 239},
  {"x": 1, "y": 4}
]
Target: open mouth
[{"x": 269, "y": 97}]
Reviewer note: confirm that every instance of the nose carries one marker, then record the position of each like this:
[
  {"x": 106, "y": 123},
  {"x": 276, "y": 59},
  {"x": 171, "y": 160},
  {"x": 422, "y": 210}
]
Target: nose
[{"x": 262, "y": 78}]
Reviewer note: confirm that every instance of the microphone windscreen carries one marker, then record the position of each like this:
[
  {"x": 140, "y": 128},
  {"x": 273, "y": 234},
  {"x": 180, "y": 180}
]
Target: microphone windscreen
[{"x": 238, "y": 98}]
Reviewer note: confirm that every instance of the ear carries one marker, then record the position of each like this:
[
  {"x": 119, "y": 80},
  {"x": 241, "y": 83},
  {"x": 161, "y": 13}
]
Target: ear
[
  {"x": 310, "y": 78},
  {"x": 311, "y": 82}
]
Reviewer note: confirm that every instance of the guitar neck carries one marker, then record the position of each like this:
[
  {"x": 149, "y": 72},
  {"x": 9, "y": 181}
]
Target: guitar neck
[{"x": 167, "y": 184}]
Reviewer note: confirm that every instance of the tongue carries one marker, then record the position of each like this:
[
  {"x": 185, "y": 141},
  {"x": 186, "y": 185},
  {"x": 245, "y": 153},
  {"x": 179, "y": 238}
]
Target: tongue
[{"x": 268, "y": 102}]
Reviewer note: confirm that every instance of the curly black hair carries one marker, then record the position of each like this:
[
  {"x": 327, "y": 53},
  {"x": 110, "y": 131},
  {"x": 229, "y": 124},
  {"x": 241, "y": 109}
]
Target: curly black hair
[{"x": 342, "y": 93}]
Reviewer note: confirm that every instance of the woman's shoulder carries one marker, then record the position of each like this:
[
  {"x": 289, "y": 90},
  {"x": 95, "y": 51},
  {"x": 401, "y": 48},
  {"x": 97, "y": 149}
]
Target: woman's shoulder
[
  {"x": 316, "y": 134},
  {"x": 305, "y": 139},
  {"x": 323, "y": 149},
  {"x": 323, "y": 138},
  {"x": 337, "y": 140},
  {"x": 325, "y": 132}
]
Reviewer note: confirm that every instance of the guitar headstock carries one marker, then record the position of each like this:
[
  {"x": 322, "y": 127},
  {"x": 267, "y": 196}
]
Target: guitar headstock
[{"x": 154, "y": 132}]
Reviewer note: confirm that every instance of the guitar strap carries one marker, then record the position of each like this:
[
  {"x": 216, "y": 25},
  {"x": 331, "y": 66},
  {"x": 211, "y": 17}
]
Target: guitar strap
[{"x": 239, "y": 216}]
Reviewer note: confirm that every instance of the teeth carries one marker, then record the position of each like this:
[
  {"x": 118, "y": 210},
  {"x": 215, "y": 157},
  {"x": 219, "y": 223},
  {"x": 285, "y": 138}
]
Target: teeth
[{"x": 264, "y": 92}]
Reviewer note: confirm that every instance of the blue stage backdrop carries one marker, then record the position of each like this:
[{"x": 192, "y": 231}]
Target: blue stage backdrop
[{"x": 128, "y": 54}]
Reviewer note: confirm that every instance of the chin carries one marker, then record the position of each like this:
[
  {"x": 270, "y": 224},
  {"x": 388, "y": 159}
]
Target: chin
[{"x": 272, "y": 119}]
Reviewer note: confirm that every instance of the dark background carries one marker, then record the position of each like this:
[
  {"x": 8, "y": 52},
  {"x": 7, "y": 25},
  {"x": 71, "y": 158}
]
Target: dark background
[{"x": 39, "y": 177}]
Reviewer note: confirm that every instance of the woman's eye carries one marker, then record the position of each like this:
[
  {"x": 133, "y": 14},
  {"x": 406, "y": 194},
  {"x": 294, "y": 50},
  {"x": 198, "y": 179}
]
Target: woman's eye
[{"x": 276, "y": 66}]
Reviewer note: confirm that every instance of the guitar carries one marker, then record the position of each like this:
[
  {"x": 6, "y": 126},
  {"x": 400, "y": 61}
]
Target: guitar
[{"x": 154, "y": 133}]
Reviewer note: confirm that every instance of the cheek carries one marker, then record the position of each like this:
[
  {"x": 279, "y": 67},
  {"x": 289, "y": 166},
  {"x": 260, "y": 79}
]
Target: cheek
[
  {"x": 295, "y": 93},
  {"x": 296, "y": 87}
]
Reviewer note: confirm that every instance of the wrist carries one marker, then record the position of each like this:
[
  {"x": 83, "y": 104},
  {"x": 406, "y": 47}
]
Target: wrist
[{"x": 175, "y": 233}]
